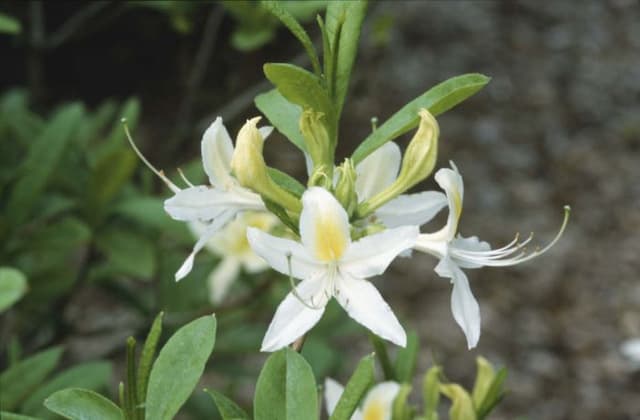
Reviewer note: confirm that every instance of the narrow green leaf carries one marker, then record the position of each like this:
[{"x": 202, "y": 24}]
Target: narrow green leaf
[
  {"x": 228, "y": 409},
  {"x": 20, "y": 380},
  {"x": 299, "y": 86},
  {"x": 431, "y": 393},
  {"x": 91, "y": 375},
  {"x": 406, "y": 360},
  {"x": 9, "y": 25},
  {"x": 437, "y": 100},
  {"x": 280, "y": 213},
  {"x": 82, "y": 404},
  {"x": 147, "y": 355},
  {"x": 484, "y": 377},
  {"x": 493, "y": 396},
  {"x": 287, "y": 182},
  {"x": 358, "y": 384},
  {"x": 345, "y": 17},
  {"x": 130, "y": 388},
  {"x": 284, "y": 115},
  {"x": 13, "y": 285},
  {"x": 298, "y": 31},
  {"x": 380, "y": 349},
  {"x": 44, "y": 154},
  {"x": 178, "y": 368},
  {"x": 286, "y": 389}
]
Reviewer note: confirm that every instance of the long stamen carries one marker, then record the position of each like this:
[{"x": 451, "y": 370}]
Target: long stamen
[
  {"x": 499, "y": 260},
  {"x": 185, "y": 179},
  {"x": 173, "y": 187},
  {"x": 294, "y": 290}
]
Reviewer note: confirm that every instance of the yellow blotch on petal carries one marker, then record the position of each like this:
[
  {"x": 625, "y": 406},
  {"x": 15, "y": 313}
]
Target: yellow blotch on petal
[
  {"x": 374, "y": 411},
  {"x": 330, "y": 239}
]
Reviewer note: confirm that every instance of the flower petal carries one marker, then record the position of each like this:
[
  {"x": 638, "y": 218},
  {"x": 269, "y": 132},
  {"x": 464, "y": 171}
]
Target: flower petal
[
  {"x": 371, "y": 255},
  {"x": 324, "y": 225},
  {"x": 219, "y": 222},
  {"x": 378, "y": 403},
  {"x": 204, "y": 204},
  {"x": 412, "y": 209},
  {"x": 464, "y": 306},
  {"x": 451, "y": 182},
  {"x": 283, "y": 255},
  {"x": 472, "y": 244},
  {"x": 332, "y": 393},
  {"x": 378, "y": 170},
  {"x": 363, "y": 303},
  {"x": 217, "y": 150},
  {"x": 294, "y": 318},
  {"x": 221, "y": 279}
]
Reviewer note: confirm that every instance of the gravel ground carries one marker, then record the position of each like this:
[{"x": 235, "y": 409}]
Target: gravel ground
[{"x": 557, "y": 125}]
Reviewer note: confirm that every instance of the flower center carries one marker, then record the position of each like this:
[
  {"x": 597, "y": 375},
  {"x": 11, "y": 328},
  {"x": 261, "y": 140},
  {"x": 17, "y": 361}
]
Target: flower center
[{"x": 330, "y": 240}]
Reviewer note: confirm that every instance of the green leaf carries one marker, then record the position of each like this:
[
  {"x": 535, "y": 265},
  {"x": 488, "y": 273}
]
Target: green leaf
[
  {"x": 178, "y": 368},
  {"x": 343, "y": 23},
  {"x": 20, "y": 380},
  {"x": 147, "y": 355},
  {"x": 401, "y": 409},
  {"x": 462, "y": 406},
  {"x": 5, "y": 415},
  {"x": 358, "y": 384},
  {"x": 13, "y": 285},
  {"x": 44, "y": 154},
  {"x": 228, "y": 409},
  {"x": 484, "y": 378},
  {"x": 281, "y": 214},
  {"x": 431, "y": 393},
  {"x": 493, "y": 396},
  {"x": 298, "y": 31},
  {"x": 437, "y": 100},
  {"x": 406, "y": 359},
  {"x": 286, "y": 388},
  {"x": 129, "y": 252},
  {"x": 92, "y": 375},
  {"x": 9, "y": 25},
  {"x": 283, "y": 115},
  {"x": 287, "y": 182},
  {"x": 149, "y": 211},
  {"x": 299, "y": 86},
  {"x": 110, "y": 174},
  {"x": 82, "y": 404},
  {"x": 381, "y": 353}
]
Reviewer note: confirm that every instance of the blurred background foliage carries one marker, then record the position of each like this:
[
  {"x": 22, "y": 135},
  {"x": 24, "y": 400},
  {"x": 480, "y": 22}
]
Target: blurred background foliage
[{"x": 557, "y": 125}]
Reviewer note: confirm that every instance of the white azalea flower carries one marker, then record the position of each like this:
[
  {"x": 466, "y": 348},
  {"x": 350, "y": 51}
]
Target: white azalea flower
[
  {"x": 377, "y": 404},
  {"x": 212, "y": 205},
  {"x": 377, "y": 172},
  {"x": 457, "y": 252},
  {"x": 329, "y": 264},
  {"x": 232, "y": 246}
]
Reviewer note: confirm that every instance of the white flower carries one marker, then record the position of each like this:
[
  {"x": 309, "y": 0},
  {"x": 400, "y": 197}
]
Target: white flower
[
  {"x": 329, "y": 264},
  {"x": 216, "y": 204},
  {"x": 457, "y": 252},
  {"x": 378, "y": 171},
  {"x": 232, "y": 246},
  {"x": 377, "y": 404}
]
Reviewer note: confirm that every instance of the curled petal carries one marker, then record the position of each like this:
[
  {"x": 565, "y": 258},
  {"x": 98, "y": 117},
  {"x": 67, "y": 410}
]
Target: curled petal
[
  {"x": 378, "y": 170},
  {"x": 412, "y": 209},
  {"x": 371, "y": 255},
  {"x": 451, "y": 182},
  {"x": 283, "y": 255},
  {"x": 217, "y": 150},
  {"x": 297, "y": 314},
  {"x": 464, "y": 306},
  {"x": 363, "y": 303}
]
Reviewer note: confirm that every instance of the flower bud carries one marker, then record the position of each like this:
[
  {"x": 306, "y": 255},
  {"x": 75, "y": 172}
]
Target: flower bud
[
  {"x": 418, "y": 162},
  {"x": 320, "y": 178},
  {"x": 346, "y": 188},
  {"x": 250, "y": 169},
  {"x": 313, "y": 126}
]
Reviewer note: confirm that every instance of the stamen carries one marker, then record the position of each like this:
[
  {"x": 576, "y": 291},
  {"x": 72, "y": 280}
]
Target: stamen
[
  {"x": 184, "y": 178},
  {"x": 144, "y": 160},
  {"x": 294, "y": 290}
]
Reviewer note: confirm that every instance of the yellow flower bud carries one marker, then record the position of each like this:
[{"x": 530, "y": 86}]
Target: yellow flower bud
[
  {"x": 250, "y": 169},
  {"x": 346, "y": 187},
  {"x": 313, "y": 126}
]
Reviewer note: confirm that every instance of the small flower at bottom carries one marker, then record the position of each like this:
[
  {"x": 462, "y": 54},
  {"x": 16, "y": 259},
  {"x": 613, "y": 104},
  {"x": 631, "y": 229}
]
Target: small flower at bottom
[
  {"x": 330, "y": 265},
  {"x": 377, "y": 404}
]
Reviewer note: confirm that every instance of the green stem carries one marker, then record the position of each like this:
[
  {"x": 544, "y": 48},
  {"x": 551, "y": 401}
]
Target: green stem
[{"x": 383, "y": 357}]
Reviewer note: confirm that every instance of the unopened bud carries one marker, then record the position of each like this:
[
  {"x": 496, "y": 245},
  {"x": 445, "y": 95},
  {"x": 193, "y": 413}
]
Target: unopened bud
[
  {"x": 250, "y": 169},
  {"x": 313, "y": 126},
  {"x": 346, "y": 188},
  {"x": 320, "y": 178}
]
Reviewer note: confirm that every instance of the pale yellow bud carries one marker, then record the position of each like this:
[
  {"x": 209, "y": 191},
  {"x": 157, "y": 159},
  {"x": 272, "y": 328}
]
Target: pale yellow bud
[
  {"x": 346, "y": 187},
  {"x": 313, "y": 126}
]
